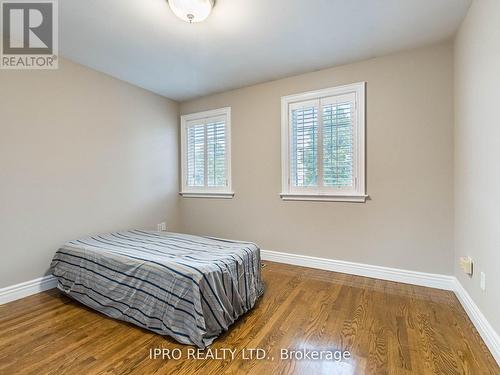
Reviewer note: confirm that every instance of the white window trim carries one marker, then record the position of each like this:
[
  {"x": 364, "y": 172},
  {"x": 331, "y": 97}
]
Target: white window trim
[
  {"x": 204, "y": 191},
  {"x": 359, "y": 193}
]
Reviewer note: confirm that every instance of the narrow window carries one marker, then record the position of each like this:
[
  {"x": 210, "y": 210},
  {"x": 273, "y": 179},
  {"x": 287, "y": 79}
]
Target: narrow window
[
  {"x": 206, "y": 151},
  {"x": 323, "y": 145}
]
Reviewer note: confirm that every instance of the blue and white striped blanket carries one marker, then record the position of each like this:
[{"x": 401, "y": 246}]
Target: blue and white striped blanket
[{"x": 188, "y": 287}]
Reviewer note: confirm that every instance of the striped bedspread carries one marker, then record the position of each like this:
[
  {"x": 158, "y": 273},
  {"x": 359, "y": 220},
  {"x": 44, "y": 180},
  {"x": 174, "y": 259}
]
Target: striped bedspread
[{"x": 187, "y": 287}]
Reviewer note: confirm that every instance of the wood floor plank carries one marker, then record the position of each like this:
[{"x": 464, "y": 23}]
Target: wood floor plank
[{"x": 387, "y": 328}]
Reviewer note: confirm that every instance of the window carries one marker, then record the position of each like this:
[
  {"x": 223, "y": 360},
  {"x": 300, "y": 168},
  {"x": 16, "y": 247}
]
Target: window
[
  {"x": 323, "y": 145},
  {"x": 206, "y": 154}
]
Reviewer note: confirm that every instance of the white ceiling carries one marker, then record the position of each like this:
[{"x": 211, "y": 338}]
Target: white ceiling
[{"x": 243, "y": 41}]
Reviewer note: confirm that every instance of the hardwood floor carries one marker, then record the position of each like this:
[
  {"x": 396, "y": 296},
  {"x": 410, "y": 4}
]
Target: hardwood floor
[{"x": 388, "y": 328}]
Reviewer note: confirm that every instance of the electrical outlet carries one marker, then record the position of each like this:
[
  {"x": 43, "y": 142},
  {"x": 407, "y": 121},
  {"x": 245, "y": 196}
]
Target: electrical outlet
[
  {"x": 482, "y": 282},
  {"x": 158, "y": 227},
  {"x": 164, "y": 227},
  {"x": 466, "y": 265}
]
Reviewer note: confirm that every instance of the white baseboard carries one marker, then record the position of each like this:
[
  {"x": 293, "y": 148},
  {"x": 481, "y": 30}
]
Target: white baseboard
[
  {"x": 431, "y": 280},
  {"x": 490, "y": 337},
  {"x": 21, "y": 290}
]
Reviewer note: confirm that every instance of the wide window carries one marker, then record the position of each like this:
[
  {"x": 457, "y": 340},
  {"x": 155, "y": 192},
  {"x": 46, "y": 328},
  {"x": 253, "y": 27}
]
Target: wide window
[
  {"x": 323, "y": 144},
  {"x": 206, "y": 154}
]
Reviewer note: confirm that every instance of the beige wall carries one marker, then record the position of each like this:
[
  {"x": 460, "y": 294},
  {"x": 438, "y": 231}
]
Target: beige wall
[
  {"x": 477, "y": 153},
  {"x": 80, "y": 152},
  {"x": 408, "y": 223}
]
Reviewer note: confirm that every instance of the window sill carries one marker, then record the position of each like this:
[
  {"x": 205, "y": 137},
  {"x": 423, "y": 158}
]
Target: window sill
[
  {"x": 225, "y": 195},
  {"x": 324, "y": 197}
]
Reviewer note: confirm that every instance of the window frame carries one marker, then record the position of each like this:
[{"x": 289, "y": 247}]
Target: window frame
[
  {"x": 358, "y": 193},
  {"x": 206, "y": 191}
]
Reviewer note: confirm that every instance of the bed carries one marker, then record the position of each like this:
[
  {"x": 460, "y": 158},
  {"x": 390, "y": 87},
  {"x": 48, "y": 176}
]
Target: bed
[{"x": 190, "y": 288}]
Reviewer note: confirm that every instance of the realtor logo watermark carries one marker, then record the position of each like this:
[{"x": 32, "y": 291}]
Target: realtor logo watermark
[{"x": 29, "y": 34}]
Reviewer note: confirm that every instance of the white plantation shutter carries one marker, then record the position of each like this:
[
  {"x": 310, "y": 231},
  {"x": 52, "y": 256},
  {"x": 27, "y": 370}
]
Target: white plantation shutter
[
  {"x": 206, "y": 152},
  {"x": 216, "y": 153},
  {"x": 196, "y": 155},
  {"x": 304, "y": 142},
  {"x": 328, "y": 163},
  {"x": 323, "y": 144},
  {"x": 338, "y": 141}
]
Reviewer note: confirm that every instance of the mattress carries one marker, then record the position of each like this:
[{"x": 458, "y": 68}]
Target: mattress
[{"x": 190, "y": 288}]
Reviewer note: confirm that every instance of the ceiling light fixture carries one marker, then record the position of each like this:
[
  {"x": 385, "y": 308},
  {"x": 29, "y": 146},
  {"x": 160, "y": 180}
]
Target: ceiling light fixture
[{"x": 191, "y": 10}]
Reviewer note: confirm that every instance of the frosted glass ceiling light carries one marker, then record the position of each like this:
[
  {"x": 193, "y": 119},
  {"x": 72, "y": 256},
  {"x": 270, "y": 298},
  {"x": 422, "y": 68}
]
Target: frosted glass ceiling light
[{"x": 191, "y": 10}]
